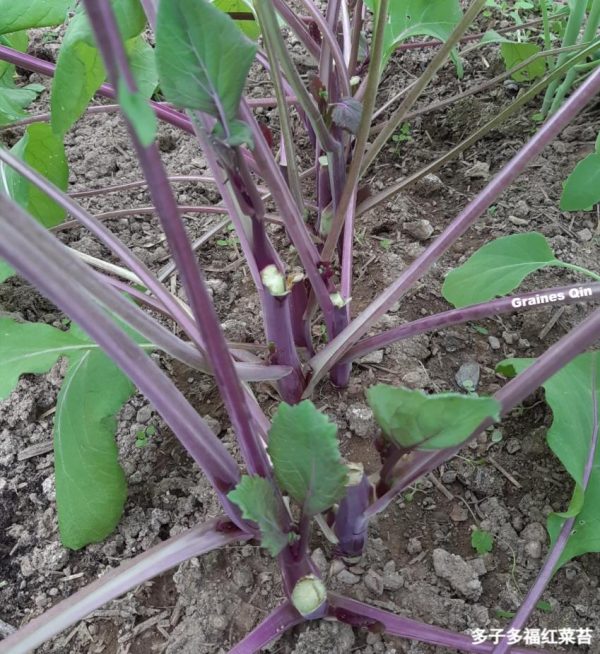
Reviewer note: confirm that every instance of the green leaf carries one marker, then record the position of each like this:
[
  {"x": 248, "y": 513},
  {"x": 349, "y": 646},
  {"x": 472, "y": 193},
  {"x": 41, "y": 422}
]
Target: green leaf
[
  {"x": 25, "y": 14},
  {"x": 515, "y": 53},
  {"x": 79, "y": 68},
  {"x": 203, "y": 58},
  {"x": 497, "y": 268},
  {"x": 31, "y": 348},
  {"x": 143, "y": 65},
  {"x": 572, "y": 394},
  {"x": 597, "y": 146},
  {"x": 436, "y": 18},
  {"x": 45, "y": 152},
  {"x": 5, "y": 271},
  {"x": 143, "y": 119},
  {"x": 411, "y": 418},
  {"x": 248, "y": 25},
  {"x": 17, "y": 41},
  {"x": 482, "y": 541},
  {"x": 90, "y": 485},
  {"x": 582, "y": 188},
  {"x": 304, "y": 449},
  {"x": 256, "y": 498}
]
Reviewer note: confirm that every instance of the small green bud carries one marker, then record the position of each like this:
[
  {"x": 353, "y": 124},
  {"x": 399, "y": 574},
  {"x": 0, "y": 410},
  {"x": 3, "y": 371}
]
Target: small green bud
[
  {"x": 338, "y": 301},
  {"x": 274, "y": 281},
  {"x": 309, "y": 594}
]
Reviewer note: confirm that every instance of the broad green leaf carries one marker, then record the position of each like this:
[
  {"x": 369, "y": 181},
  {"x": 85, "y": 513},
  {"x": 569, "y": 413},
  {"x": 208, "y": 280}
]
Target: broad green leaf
[
  {"x": 90, "y": 485},
  {"x": 436, "y": 18},
  {"x": 143, "y": 119},
  {"x": 306, "y": 458},
  {"x": 497, "y": 268},
  {"x": 24, "y": 14},
  {"x": 5, "y": 271},
  {"x": 17, "y": 41},
  {"x": 203, "y": 58},
  {"x": 45, "y": 152},
  {"x": 572, "y": 394},
  {"x": 79, "y": 68},
  {"x": 411, "y": 418},
  {"x": 248, "y": 24},
  {"x": 256, "y": 498},
  {"x": 515, "y": 53},
  {"x": 31, "y": 348},
  {"x": 582, "y": 188},
  {"x": 598, "y": 143},
  {"x": 482, "y": 541},
  {"x": 143, "y": 65}
]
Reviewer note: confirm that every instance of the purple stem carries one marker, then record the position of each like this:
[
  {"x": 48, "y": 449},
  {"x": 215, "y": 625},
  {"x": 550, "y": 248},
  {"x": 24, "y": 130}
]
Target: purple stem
[
  {"x": 298, "y": 27},
  {"x": 168, "y": 554},
  {"x": 466, "y": 314},
  {"x": 280, "y": 620},
  {"x": 350, "y": 526},
  {"x": 58, "y": 275},
  {"x": 543, "y": 579},
  {"x": 336, "y": 349},
  {"x": 510, "y": 395},
  {"x": 110, "y": 240},
  {"x": 109, "y": 42},
  {"x": 361, "y": 614}
]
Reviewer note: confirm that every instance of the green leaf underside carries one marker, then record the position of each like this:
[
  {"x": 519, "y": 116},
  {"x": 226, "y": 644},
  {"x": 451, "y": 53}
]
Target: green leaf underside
[
  {"x": 44, "y": 152},
  {"x": 571, "y": 395},
  {"x": 256, "y": 498},
  {"x": 5, "y": 271},
  {"x": 250, "y": 27},
  {"x": 140, "y": 114},
  {"x": 435, "y": 18},
  {"x": 79, "y": 68},
  {"x": 31, "y": 348},
  {"x": 306, "y": 458},
  {"x": 25, "y": 14},
  {"x": 203, "y": 58},
  {"x": 497, "y": 268},
  {"x": 411, "y": 418},
  {"x": 582, "y": 188},
  {"x": 515, "y": 53},
  {"x": 143, "y": 65},
  {"x": 482, "y": 541},
  {"x": 90, "y": 485}
]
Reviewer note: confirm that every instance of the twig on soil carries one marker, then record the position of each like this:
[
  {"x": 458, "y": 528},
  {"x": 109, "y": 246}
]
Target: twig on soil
[
  {"x": 553, "y": 320},
  {"x": 35, "y": 450},
  {"x": 504, "y": 471},
  {"x": 438, "y": 484}
]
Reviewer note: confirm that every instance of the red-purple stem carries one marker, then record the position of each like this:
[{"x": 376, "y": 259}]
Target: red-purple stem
[{"x": 280, "y": 620}]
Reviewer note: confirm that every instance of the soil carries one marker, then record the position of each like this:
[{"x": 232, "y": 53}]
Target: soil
[{"x": 506, "y": 486}]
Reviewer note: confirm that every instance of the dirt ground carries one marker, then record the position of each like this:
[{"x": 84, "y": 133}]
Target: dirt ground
[{"x": 505, "y": 485}]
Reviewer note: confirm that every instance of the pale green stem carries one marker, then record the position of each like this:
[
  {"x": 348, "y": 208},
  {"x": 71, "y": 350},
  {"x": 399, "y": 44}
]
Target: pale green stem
[
  {"x": 572, "y": 266},
  {"x": 570, "y": 38}
]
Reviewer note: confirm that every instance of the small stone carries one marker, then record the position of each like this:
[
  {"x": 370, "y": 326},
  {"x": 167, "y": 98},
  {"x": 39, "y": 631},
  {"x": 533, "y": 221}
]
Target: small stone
[
  {"x": 360, "y": 420},
  {"x": 480, "y": 615},
  {"x": 374, "y": 582},
  {"x": 494, "y": 342},
  {"x": 430, "y": 183},
  {"x": 519, "y": 222},
  {"x": 521, "y": 209},
  {"x": 372, "y": 357},
  {"x": 459, "y": 513},
  {"x": 458, "y": 573},
  {"x": 479, "y": 170},
  {"x": 585, "y": 235},
  {"x": 144, "y": 414},
  {"x": 348, "y": 578},
  {"x": 319, "y": 559},
  {"x": 534, "y": 531},
  {"x": 336, "y": 567},
  {"x": 420, "y": 229},
  {"x": 49, "y": 488},
  {"x": 417, "y": 378},
  {"x": 467, "y": 376},
  {"x": 414, "y": 546},
  {"x": 449, "y": 476},
  {"x": 393, "y": 581},
  {"x": 512, "y": 445},
  {"x": 533, "y": 549},
  {"x": 128, "y": 413}
]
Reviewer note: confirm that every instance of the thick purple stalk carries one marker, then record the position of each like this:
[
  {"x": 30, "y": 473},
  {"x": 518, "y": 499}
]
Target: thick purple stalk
[
  {"x": 336, "y": 349},
  {"x": 361, "y": 614},
  {"x": 350, "y": 526},
  {"x": 281, "y": 619},
  {"x": 466, "y": 314},
  {"x": 22, "y": 240},
  {"x": 548, "y": 569},
  {"x": 195, "y": 542},
  {"x": 109, "y": 42},
  {"x": 509, "y": 396}
]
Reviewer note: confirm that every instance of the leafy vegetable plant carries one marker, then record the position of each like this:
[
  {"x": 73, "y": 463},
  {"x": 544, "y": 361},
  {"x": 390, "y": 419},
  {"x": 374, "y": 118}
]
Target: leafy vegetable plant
[{"x": 293, "y": 473}]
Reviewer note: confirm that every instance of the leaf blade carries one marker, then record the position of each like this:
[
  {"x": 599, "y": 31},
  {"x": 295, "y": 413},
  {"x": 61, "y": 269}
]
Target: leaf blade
[
  {"x": 26, "y": 14},
  {"x": 581, "y": 190},
  {"x": 306, "y": 458}
]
